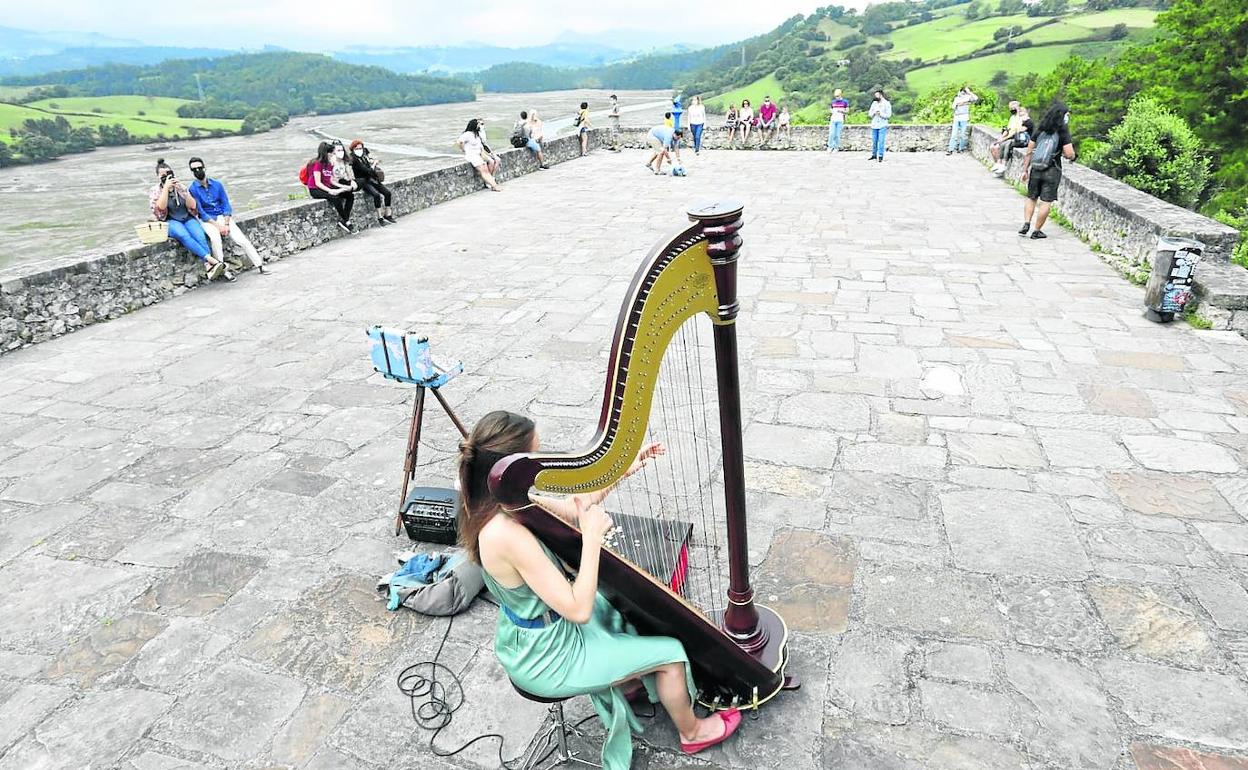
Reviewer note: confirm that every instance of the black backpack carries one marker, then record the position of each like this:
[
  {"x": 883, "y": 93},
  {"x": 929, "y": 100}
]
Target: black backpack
[{"x": 1045, "y": 154}]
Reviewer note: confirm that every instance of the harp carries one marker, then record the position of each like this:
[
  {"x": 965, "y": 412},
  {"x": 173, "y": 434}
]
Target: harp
[{"x": 671, "y": 570}]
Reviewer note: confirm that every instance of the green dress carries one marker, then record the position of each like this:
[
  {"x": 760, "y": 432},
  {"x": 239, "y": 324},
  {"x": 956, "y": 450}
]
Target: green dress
[{"x": 566, "y": 659}]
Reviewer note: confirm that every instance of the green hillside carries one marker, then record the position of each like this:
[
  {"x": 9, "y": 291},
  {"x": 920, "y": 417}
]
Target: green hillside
[
  {"x": 765, "y": 86},
  {"x": 913, "y": 48},
  {"x": 144, "y": 117},
  {"x": 981, "y": 69}
]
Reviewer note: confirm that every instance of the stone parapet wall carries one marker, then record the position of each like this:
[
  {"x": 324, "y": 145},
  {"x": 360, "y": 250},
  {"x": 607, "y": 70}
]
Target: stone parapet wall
[
  {"x": 1123, "y": 225},
  {"x": 853, "y": 139},
  {"x": 50, "y": 301},
  {"x": 1119, "y": 218},
  {"x": 1120, "y": 221}
]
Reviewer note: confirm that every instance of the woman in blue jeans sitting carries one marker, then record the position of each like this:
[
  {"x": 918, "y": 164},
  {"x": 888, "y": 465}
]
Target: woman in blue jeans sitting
[{"x": 172, "y": 204}]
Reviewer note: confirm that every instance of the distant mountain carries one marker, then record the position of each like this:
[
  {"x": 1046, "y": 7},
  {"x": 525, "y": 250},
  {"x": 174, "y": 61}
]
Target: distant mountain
[
  {"x": 23, "y": 43},
  {"x": 469, "y": 58},
  {"x": 299, "y": 83},
  {"x": 94, "y": 56},
  {"x": 29, "y": 53}
]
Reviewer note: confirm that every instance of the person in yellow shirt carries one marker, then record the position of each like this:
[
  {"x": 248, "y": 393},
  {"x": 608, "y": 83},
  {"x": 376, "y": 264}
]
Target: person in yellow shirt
[{"x": 1010, "y": 136}]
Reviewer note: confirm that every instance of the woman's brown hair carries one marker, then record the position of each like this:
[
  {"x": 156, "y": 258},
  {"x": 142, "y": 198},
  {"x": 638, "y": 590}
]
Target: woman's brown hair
[{"x": 495, "y": 436}]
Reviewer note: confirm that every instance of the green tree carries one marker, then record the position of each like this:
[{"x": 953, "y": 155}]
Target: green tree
[
  {"x": 1010, "y": 7},
  {"x": 1203, "y": 66},
  {"x": 1155, "y": 151},
  {"x": 38, "y": 147}
]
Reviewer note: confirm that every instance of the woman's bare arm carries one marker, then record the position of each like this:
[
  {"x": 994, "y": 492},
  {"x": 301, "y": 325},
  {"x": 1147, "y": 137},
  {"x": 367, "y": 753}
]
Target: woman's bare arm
[{"x": 573, "y": 601}]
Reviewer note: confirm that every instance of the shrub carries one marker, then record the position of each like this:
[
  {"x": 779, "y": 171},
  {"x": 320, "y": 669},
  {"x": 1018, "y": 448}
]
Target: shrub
[
  {"x": 1153, "y": 150},
  {"x": 936, "y": 106},
  {"x": 1238, "y": 220},
  {"x": 850, "y": 40}
]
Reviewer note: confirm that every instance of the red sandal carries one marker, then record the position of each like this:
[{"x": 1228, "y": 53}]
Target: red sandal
[{"x": 732, "y": 720}]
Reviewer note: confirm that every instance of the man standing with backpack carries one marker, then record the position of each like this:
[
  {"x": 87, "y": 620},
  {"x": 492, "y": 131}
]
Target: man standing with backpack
[{"x": 1042, "y": 166}]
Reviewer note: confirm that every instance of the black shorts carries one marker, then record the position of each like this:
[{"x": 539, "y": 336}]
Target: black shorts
[{"x": 1044, "y": 184}]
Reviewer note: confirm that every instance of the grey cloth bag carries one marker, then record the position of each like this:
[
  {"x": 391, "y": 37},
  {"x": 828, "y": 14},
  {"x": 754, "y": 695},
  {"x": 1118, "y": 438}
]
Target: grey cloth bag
[{"x": 449, "y": 595}]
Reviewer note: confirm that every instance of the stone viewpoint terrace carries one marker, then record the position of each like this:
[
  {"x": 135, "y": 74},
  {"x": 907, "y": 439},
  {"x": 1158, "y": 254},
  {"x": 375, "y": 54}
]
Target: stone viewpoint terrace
[{"x": 1005, "y": 516}]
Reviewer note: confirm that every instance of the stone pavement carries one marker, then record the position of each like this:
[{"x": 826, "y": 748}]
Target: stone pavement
[{"x": 1004, "y": 515}]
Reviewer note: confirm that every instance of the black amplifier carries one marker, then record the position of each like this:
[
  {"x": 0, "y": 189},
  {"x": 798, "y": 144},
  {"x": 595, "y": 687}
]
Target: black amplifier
[{"x": 429, "y": 515}]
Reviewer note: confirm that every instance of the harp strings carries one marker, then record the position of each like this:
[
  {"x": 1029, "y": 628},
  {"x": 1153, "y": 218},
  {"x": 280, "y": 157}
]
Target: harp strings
[{"x": 670, "y": 514}]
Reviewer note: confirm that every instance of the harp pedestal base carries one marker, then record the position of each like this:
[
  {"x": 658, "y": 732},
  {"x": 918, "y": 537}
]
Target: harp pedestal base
[{"x": 770, "y": 646}]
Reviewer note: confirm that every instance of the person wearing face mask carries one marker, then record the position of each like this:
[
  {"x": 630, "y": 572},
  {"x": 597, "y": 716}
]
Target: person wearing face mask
[
  {"x": 881, "y": 110},
  {"x": 323, "y": 185},
  {"x": 1042, "y": 167},
  {"x": 216, "y": 215},
  {"x": 1017, "y": 130},
  {"x": 171, "y": 203},
  {"x": 369, "y": 175},
  {"x": 344, "y": 173}
]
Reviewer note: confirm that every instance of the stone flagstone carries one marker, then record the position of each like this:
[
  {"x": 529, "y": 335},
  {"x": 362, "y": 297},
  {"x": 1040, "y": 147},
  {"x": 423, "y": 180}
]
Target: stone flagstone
[
  {"x": 1012, "y": 533},
  {"x": 948, "y": 452}
]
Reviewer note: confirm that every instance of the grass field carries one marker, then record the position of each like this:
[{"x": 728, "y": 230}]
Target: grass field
[
  {"x": 755, "y": 92},
  {"x": 949, "y": 36},
  {"x": 834, "y": 30},
  {"x": 12, "y": 116},
  {"x": 1057, "y": 32},
  {"x": 13, "y": 93},
  {"x": 160, "y": 115},
  {"x": 980, "y": 70},
  {"x": 1139, "y": 18}
]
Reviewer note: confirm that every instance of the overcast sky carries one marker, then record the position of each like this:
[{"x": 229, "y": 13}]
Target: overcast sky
[{"x": 335, "y": 24}]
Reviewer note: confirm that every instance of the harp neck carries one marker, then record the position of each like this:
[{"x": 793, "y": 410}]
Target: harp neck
[{"x": 692, "y": 272}]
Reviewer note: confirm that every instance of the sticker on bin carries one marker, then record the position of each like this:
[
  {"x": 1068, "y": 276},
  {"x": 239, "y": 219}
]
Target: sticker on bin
[{"x": 405, "y": 357}]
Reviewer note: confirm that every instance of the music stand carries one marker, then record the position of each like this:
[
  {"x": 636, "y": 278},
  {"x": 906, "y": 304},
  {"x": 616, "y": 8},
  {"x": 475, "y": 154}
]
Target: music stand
[{"x": 404, "y": 357}]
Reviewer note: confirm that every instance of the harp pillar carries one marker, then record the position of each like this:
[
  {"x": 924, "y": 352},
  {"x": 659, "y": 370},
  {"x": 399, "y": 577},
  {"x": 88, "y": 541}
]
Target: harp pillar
[{"x": 720, "y": 222}]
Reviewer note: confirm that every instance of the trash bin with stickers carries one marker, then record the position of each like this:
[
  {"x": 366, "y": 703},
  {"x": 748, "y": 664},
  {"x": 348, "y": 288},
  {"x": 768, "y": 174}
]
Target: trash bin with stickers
[{"x": 1170, "y": 285}]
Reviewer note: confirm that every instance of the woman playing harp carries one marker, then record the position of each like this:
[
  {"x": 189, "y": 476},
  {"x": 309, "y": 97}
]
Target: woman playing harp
[{"x": 557, "y": 637}]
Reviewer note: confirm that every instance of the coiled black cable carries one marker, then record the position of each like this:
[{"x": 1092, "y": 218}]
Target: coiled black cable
[{"x": 435, "y": 702}]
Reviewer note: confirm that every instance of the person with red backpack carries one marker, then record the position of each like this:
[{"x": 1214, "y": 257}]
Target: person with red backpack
[
  {"x": 318, "y": 175},
  {"x": 1042, "y": 166}
]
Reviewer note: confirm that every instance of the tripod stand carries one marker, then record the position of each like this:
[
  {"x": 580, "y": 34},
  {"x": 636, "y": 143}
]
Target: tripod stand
[{"x": 413, "y": 440}]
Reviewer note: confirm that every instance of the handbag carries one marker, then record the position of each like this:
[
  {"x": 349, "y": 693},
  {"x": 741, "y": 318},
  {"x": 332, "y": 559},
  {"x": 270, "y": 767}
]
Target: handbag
[{"x": 153, "y": 232}]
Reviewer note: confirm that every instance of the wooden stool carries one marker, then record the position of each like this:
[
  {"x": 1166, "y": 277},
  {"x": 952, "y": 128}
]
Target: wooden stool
[{"x": 556, "y": 726}]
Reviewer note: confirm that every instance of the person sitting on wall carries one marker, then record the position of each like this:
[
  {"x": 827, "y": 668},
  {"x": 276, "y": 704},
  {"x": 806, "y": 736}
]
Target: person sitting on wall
[
  {"x": 171, "y": 203},
  {"x": 322, "y": 186},
  {"x": 1016, "y": 134},
  {"x": 663, "y": 141},
  {"x": 344, "y": 172},
  {"x": 478, "y": 154},
  {"x": 522, "y": 136},
  {"x": 216, "y": 215},
  {"x": 369, "y": 175},
  {"x": 768, "y": 112}
]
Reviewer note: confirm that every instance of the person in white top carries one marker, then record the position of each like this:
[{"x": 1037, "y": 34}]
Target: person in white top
[
  {"x": 697, "y": 122},
  {"x": 478, "y": 154},
  {"x": 784, "y": 125},
  {"x": 745, "y": 120}
]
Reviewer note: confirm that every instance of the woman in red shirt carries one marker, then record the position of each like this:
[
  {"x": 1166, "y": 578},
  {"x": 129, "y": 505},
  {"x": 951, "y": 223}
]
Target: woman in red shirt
[{"x": 323, "y": 186}]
